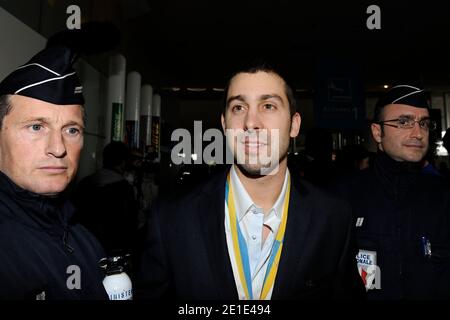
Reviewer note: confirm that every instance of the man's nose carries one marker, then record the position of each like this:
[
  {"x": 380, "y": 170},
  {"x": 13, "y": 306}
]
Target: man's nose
[
  {"x": 252, "y": 119},
  {"x": 56, "y": 146},
  {"x": 417, "y": 131}
]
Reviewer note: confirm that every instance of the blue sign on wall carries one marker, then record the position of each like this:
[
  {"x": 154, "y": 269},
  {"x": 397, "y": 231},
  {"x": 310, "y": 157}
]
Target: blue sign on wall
[{"x": 339, "y": 95}]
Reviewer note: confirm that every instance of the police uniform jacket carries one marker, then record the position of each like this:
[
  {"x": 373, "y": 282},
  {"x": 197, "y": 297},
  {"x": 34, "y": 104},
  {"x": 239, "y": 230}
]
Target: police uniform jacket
[
  {"x": 42, "y": 254},
  {"x": 402, "y": 220}
]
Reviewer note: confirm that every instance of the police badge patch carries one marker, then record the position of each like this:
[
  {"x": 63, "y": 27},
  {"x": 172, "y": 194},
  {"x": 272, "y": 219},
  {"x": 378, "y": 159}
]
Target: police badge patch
[{"x": 368, "y": 269}]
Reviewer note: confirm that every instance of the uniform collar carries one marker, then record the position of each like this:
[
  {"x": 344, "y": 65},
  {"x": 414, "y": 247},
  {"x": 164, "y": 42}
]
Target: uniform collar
[
  {"x": 44, "y": 211},
  {"x": 392, "y": 166}
]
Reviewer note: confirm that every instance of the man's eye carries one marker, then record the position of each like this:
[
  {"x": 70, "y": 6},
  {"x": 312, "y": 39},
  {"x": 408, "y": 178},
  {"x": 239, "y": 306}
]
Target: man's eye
[
  {"x": 269, "y": 106},
  {"x": 73, "y": 131},
  {"x": 36, "y": 127},
  {"x": 404, "y": 121},
  {"x": 237, "y": 108}
]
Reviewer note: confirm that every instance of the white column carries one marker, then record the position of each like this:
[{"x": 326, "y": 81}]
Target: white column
[
  {"x": 145, "y": 124},
  {"x": 132, "y": 109},
  {"x": 156, "y": 127},
  {"x": 116, "y": 98}
]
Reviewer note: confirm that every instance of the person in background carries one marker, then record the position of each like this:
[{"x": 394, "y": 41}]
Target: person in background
[
  {"x": 107, "y": 204},
  {"x": 319, "y": 168},
  {"x": 352, "y": 158}
]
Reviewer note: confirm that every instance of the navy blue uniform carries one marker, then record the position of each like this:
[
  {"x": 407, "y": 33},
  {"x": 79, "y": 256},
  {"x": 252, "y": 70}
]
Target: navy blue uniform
[
  {"x": 399, "y": 205},
  {"x": 42, "y": 254}
]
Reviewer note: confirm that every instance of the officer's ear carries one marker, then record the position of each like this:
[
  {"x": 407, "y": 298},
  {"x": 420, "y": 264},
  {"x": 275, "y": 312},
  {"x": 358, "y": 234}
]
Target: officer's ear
[
  {"x": 377, "y": 132},
  {"x": 296, "y": 121}
]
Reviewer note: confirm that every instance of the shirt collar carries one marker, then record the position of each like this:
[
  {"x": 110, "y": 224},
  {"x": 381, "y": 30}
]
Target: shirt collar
[{"x": 244, "y": 203}]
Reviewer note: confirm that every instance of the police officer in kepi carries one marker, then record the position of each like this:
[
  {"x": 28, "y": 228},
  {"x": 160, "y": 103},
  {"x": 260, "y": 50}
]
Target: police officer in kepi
[
  {"x": 43, "y": 254},
  {"x": 402, "y": 215}
]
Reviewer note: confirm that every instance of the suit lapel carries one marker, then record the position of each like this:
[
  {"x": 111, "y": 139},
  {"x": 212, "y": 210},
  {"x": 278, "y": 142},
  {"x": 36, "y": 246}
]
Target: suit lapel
[
  {"x": 299, "y": 217},
  {"x": 212, "y": 219}
]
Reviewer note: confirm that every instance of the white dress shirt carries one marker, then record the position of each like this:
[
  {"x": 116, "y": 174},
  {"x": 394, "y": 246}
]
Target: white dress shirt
[{"x": 251, "y": 222}]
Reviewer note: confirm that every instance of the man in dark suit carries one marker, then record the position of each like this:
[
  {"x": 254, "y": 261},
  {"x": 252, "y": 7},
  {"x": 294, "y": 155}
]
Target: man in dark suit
[{"x": 255, "y": 231}]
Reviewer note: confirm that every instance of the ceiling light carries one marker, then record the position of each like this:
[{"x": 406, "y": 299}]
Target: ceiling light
[{"x": 196, "y": 89}]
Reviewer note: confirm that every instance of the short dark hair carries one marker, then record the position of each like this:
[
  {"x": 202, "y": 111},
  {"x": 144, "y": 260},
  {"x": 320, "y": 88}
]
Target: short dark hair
[
  {"x": 378, "y": 111},
  {"x": 5, "y": 108},
  {"x": 262, "y": 66}
]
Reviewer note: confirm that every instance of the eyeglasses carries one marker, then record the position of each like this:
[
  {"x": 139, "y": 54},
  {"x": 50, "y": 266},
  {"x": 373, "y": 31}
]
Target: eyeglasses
[{"x": 406, "y": 122}]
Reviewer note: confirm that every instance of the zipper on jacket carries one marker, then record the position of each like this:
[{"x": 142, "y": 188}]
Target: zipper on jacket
[{"x": 66, "y": 245}]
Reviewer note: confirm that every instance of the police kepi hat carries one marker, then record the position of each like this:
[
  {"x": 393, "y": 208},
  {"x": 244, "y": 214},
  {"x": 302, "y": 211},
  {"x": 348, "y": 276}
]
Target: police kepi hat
[
  {"x": 49, "y": 76},
  {"x": 404, "y": 94}
]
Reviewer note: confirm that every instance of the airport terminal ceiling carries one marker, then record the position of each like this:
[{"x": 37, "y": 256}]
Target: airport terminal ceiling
[{"x": 186, "y": 44}]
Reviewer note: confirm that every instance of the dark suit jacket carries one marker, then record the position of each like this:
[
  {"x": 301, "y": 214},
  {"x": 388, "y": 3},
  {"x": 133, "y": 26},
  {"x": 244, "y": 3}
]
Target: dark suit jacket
[{"x": 186, "y": 255}]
